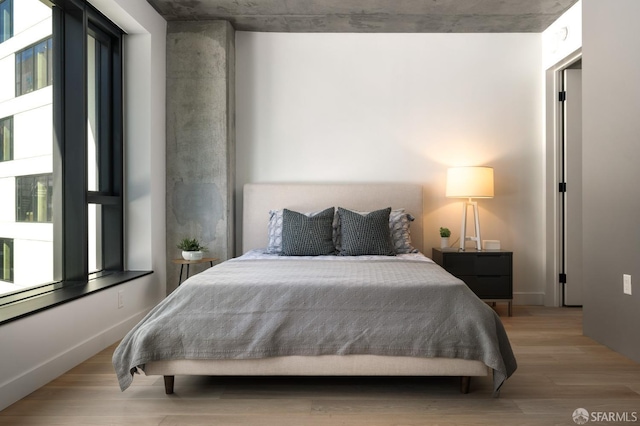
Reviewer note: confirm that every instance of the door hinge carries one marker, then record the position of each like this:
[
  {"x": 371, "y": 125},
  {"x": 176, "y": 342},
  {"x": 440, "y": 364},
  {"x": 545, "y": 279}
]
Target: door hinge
[
  {"x": 562, "y": 96},
  {"x": 562, "y": 187},
  {"x": 563, "y": 278}
]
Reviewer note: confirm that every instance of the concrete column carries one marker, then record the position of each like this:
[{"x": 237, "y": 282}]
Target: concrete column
[{"x": 200, "y": 139}]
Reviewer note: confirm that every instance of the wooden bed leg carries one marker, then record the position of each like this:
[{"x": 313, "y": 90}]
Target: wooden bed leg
[
  {"x": 465, "y": 384},
  {"x": 168, "y": 384}
]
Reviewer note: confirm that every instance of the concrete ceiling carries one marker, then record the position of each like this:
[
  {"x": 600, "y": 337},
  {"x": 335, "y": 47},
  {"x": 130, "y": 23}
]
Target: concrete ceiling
[{"x": 375, "y": 16}]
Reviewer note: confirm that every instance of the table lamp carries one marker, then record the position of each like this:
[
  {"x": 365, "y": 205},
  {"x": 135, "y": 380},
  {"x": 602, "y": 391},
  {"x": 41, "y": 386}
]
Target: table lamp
[{"x": 470, "y": 182}]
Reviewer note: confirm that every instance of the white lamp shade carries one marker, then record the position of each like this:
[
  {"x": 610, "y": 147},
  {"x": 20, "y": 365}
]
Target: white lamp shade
[{"x": 470, "y": 182}]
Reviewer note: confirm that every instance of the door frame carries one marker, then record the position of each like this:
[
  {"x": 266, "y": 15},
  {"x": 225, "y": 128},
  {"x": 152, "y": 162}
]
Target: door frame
[{"x": 553, "y": 138}]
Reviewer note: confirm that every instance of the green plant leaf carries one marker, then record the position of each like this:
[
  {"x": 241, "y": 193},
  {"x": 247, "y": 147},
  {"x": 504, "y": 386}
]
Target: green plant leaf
[
  {"x": 445, "y": 232},
  {"x": 191, "y": 244}
]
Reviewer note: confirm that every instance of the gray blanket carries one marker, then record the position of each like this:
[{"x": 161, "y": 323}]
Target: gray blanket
[{"x": 263, "y": 308}]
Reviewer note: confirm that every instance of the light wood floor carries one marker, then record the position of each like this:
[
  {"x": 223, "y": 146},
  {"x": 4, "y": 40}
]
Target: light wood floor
[{"x": 559, "y": 371}]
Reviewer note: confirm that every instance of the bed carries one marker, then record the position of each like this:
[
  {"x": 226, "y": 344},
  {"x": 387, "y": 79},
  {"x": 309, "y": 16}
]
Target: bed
[{"x": 268, "y": 314}]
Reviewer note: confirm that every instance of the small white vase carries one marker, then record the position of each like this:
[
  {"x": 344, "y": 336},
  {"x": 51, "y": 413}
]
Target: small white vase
[
  {"x": 192, "y": 255},
  {"x": 444, "y": 242}
]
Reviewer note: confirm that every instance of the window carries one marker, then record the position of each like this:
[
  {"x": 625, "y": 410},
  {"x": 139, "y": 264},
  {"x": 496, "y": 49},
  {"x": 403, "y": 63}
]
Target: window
[
  {"x": 6, "y": 20},
  {"x": 6, "y": 259},
  {"x": 6, "y": 139},
  {"x": 34, "y": 198},
  {"x": 82, "y": 198},
  {"x": 91, "y": 163},
  {"x": 34, "y": 67}
]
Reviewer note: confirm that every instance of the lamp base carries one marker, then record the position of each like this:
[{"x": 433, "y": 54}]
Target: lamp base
[{"x": 463, "y": 232}]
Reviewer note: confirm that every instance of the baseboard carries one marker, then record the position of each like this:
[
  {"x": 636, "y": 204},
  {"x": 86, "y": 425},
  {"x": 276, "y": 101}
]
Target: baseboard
[
  {"x": 528, "y": 298},
  {"x": 22, "y": 385}
]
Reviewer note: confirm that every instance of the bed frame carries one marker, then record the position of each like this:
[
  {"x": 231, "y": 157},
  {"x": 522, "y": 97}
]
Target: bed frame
[{"x": 257, "y": 201}]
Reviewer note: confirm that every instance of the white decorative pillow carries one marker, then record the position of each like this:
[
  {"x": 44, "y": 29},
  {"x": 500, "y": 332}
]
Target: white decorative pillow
[
  {"x": 274, "y": 230},
  {"x": 399, "y": 223}
]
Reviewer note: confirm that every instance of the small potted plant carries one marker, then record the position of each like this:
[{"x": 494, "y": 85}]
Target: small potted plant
[
  {"x": 445, "y": 233},
  {"x": 191, "y": 248}
]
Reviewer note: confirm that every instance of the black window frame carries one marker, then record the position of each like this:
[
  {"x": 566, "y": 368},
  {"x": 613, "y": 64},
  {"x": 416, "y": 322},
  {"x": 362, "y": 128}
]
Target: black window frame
[
  {"x": 2, "y": 139},
  {"x": 72, "y": 22},
  {"x": 10, "y": 3}
]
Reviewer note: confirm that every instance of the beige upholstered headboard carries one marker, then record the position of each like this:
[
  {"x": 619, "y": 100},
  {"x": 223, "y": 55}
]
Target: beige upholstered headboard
[{"x": 259, "y": 198}]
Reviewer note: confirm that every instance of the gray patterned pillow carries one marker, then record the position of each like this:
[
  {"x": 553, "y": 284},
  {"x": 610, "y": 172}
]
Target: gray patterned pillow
[
  {"x": 399, "y": 223},
  {"x": 365, "y": 234},
  {"x": 304, "y": 235},
  {"x": 274, "y": 229}
]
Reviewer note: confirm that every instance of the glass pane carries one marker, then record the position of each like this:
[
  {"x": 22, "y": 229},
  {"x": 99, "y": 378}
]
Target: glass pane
[
  {"x": 6, "y": 263},
  {"x": 18, "y": 74},
  {"x": 26, "y": 78},
  {"x": 6, "y": 139},
  {"x": 5, "y": 20},
  {"x": 93, "y": 157},
  {"x": 50, "y": 61},
  {"x": 41, "y": 65},
  {"x": 95, "y": 238},
  {"x": 26, "y": 139},
  {"x": 34, "y": 198}
]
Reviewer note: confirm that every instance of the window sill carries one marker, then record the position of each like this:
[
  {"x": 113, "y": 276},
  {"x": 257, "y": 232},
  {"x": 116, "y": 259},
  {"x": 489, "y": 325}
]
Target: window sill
[{"x": 54, "y": 294}]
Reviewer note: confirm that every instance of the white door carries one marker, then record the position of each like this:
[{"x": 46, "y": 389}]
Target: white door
[{"x": 573, "y": 195}]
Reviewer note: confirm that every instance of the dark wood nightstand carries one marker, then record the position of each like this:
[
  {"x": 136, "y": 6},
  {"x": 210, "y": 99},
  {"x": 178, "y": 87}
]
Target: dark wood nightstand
[{"x": 489, "y": 273}]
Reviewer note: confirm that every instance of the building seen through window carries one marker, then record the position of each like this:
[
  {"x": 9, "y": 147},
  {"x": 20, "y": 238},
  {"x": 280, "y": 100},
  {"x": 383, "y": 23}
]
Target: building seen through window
[
  {"x": 34, "y": 67},
  {"x": 26, "y": 145},
  {"x": 33, "y": 198},
  {"x": 6, "y": 259},
  {"x": 6, "y": 139},
  {"x": 6, "y": 20}
]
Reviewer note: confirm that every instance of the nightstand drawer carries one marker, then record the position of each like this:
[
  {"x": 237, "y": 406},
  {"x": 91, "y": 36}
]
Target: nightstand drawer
[
  {"x": 460, "y": 264},
  {"x": 489, "y": 287},
  {"x": 493, "y": 264},
  {"x": 485, "y": 264}
]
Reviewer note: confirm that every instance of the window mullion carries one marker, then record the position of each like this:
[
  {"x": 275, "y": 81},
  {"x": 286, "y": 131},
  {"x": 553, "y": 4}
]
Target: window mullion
[
  {"x": 111, "y": 155},
  {"x": 74, "y": 170},
  {"x": 58, "y": 144}
]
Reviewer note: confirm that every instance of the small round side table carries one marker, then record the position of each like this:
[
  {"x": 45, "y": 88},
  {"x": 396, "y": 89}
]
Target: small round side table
[{"x": 183, "y": 262}]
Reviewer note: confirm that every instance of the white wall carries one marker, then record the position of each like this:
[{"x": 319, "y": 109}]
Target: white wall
[
  {"x": 40, "y": 347},
  {"x": 33, "y": 130},
  {"x": 402, "y": 108},
  {"x": 562, "y": 37},
  {"x": 26, "y": 13}
]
